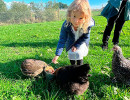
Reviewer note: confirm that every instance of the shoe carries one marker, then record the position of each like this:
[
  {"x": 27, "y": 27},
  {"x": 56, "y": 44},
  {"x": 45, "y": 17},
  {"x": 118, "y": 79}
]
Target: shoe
[{"x": 104, "y": 46}]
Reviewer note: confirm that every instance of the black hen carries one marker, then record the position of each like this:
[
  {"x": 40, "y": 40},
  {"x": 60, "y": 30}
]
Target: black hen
[
  {"x": 120, "y": 66},
  {"x": 74, "y": 78}
]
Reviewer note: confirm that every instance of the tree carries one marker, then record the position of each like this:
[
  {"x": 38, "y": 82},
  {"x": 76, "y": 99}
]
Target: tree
[
  {"x": 59, "y": 5},
  {"x": 51, "y": 11},
  {"x": 49, "y": 4},
  {"x": 3, "y": 12},
  {"x": 3, "y": 7},
  {"x": 37, "y": 9},
  {"x": 62, "y": 5},
  {"x": 20, "y": 12}
]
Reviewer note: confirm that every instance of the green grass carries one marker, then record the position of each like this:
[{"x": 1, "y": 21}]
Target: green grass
[{"x": 39, "y": 41}]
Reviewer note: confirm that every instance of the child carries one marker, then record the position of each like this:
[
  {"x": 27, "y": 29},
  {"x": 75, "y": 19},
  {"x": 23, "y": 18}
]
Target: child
[
  {"x": 75, "y": 32},
  {"x": 116, "y": 11}
]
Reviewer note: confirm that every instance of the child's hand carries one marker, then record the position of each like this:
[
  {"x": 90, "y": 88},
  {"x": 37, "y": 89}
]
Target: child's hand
[
  {"x": 73, "y": 49},
  {"x": 54, "y": 60}
]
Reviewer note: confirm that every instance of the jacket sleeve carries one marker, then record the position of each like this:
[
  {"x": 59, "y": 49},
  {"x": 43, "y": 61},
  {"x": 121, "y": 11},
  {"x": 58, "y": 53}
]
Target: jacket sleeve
[{"x": 62, "y": 40}]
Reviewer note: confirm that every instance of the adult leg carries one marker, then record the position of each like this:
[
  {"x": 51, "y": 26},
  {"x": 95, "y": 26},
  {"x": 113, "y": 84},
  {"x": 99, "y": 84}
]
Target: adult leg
[
  {"x": 107, "y": 31},
  {"x": 117, "y": 31},
  {"x": 119, "y": 24},
  {"x": 80, "y": 62}
]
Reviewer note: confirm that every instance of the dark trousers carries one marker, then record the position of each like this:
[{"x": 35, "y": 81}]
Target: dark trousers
[
  {"x": 79, "y": 62},
  {"x": 119, "y": 22}
]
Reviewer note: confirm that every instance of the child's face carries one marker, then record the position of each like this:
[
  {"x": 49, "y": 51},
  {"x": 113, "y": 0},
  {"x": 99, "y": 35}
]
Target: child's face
[{"x": 77, "y": 18}]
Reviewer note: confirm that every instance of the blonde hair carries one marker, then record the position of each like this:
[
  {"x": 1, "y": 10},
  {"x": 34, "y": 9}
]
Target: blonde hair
[{"x": 82, "y": 6}]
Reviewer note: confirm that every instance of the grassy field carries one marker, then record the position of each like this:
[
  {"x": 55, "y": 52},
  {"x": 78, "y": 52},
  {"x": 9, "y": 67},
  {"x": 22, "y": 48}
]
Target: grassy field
[{"x": 39, "y": 41}]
